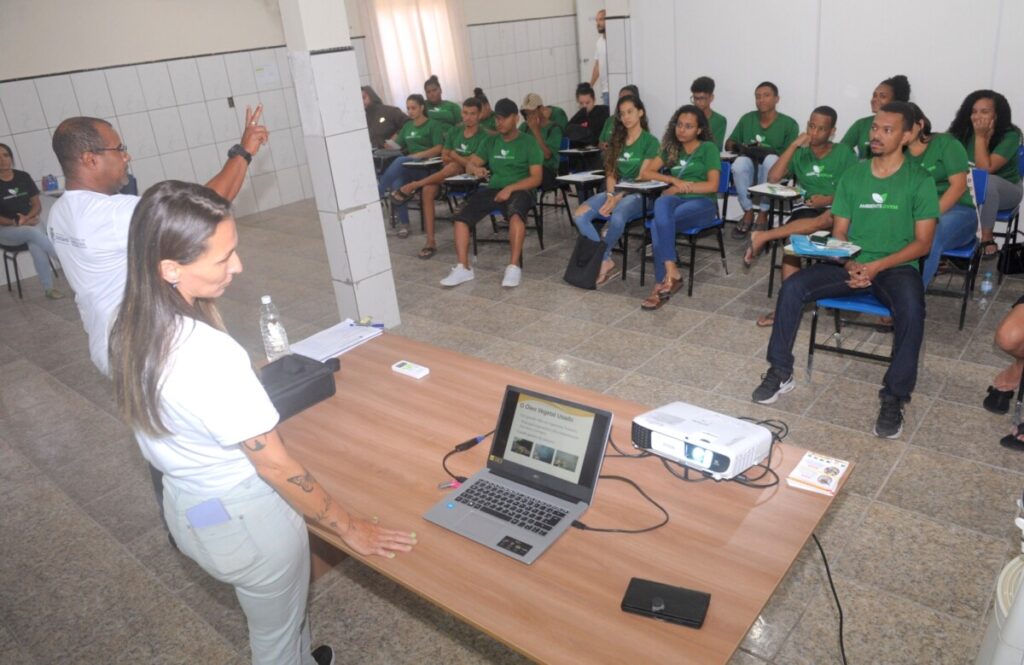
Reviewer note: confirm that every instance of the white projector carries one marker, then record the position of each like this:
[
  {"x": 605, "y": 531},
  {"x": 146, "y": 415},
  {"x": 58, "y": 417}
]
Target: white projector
[{"x": 721, "y": 446}]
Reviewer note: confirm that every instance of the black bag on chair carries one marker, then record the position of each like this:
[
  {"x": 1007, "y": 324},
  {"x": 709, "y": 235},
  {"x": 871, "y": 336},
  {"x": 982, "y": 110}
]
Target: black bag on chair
[
  {"x": 585, "y": 263},
  {"x": 1011, "y": 259}
]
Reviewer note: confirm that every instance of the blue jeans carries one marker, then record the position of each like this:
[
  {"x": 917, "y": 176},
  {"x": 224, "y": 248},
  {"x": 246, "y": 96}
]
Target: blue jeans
[
  {"x": 743, "y": 173},
  {"x": 628, "y": 209},
  {"x": 955, "y": 229},
  {"x": 672, "y": 215},
  {"x": 263, "y": 552},
  {"x": 39, "y": 246},
  {"x": 900, "y": 289},
  {"x": 394, "y": 177}
]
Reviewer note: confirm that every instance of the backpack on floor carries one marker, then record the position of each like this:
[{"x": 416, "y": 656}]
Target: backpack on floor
[{"x": 585, "y": 263}]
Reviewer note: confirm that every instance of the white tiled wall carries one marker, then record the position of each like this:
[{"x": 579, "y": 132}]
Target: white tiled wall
[
  {"x": 359, "y": 46},
  {"x": 514, "y": 58},
  {"x": 175, "y": 119}
]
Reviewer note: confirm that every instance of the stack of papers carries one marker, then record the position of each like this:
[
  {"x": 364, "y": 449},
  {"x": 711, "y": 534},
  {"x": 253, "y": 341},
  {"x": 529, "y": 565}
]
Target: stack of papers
[
  {"x": 335, "y": 341},
  {"x": 817, "y": 473}
]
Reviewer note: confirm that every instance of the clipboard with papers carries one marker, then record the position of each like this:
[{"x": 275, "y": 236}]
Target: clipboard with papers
[{"x": 335, "y": 340}]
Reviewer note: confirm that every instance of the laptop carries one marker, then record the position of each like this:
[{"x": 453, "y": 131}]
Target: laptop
[{"x": 545, "y": 458}]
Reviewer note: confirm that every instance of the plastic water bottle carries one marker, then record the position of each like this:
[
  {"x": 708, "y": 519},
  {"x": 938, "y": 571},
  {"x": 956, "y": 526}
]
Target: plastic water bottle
[
  {"x": 985, "y": 288},
  {"x": 275, "y": 338}
]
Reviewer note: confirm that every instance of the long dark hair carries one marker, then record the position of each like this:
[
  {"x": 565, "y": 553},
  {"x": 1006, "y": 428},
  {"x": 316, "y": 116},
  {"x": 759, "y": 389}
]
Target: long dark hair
[
  {"x": 962, "y": 127},
  {"x": 372, "y": 94},
  {"x": 619, "y": 132},
  {"x": 7, "y": 149},
  {"x": 919, "y": 116},
  {"x": 670, "y": 145},
  {"x": 172, "y": 221}
]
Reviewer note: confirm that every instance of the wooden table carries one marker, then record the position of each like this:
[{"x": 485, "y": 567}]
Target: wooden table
[{"x": 377, "y": 446}]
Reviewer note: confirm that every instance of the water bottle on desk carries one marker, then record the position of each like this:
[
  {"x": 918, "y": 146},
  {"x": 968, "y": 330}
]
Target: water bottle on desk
[
  {"x": 275, "y": 339},
  {"x": 985, "y": 288}
]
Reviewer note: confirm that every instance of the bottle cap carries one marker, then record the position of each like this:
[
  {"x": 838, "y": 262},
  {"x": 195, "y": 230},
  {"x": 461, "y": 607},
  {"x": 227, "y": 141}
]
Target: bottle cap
[{"x": 265, "y": 300}]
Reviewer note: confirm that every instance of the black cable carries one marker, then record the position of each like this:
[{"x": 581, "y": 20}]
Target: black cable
[
  {"x": 667, "y": 463},
  {"x": 839, "y": 606},
  {"x": 460, "y": 448},
  {"x": 619, "y": 452},
  {"x": 584, "y": 527}
]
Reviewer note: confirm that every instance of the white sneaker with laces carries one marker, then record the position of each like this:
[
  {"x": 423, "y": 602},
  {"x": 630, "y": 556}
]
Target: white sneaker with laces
[
  {"x": 513, "y": 275},
  {"x": 459, "y": 275}
]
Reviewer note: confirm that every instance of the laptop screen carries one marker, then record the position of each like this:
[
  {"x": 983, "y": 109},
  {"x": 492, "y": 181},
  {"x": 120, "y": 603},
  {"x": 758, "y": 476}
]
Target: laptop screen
[{"x": 550, "y": 443}]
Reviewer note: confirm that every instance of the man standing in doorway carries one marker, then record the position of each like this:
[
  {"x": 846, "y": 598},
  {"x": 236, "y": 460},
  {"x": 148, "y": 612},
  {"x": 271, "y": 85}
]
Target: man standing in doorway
[{"x": 599, "y": 75}]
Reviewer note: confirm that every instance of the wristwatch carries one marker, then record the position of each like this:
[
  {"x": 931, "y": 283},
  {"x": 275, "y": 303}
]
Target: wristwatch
[{"x": 238, "y": 151}]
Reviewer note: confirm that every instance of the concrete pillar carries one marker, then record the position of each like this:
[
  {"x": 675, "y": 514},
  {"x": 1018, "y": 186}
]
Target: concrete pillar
[{"x": 340, "y": 159}]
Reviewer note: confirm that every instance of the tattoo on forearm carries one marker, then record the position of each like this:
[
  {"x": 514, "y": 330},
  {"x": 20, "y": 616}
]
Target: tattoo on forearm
[
  {"x": 305, "y": 481},
  {"x": 256, "y": 445},
  {"x": 322, "y": 514}
]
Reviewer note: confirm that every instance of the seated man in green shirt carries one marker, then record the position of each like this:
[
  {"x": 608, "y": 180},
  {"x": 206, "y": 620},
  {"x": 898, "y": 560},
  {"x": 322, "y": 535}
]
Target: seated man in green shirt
[
  {"x": 769, "y": 132},
  {"x": 816, "y": 164},
  {"x": 546, "y": 133},
  {"x": 514, "y": 168},
  {"x": 887, "y": 206},
  {"x": 702, "y": 93}
]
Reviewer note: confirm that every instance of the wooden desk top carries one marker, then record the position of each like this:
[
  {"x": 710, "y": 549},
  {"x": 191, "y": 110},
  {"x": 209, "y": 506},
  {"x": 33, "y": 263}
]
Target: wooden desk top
[{"x": 377, "y": 446}]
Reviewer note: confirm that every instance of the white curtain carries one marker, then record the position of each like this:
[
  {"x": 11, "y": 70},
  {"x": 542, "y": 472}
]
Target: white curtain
[{"x": 412, "y": 39}]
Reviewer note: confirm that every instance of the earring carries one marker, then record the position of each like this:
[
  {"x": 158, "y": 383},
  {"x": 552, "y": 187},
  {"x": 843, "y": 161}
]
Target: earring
[{"x": 174, "y": 285}]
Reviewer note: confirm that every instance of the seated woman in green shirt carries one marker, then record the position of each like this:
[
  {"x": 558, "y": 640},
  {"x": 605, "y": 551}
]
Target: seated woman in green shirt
[
  {"x": 895, "y": 89},
  {"x": 462, "y": 141},
  {"x": 420, "y": 138},
  {"x": 609, "y": 124},
  {"x": 631, "y": 147},
  {"x": 985, "y": 115},
  {"x": 945, "y": 159},
  {"x": 441, "y": 110},
  {"x": 695, "y": 168}
]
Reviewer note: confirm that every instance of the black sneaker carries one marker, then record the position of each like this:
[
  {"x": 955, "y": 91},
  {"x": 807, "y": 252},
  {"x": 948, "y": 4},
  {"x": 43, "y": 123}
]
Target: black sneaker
[
  {"x": 890, "y": 418},
  {"x": 323, "y": 655},
  {"x": 773, "y": 384}
]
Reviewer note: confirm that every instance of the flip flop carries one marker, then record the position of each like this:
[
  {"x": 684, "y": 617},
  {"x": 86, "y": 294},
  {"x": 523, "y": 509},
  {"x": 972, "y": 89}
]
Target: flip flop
[
  {"x": 653, "y": 302},
  {"x": 400, "y": 197},
  {"x": 989, "y": 256},
  {"x": 427, "y": 253},
  {"x": 1013, "y": 441},
  {"x": 766, "y": 321},
  {"x": 403, "y": 232},
  {"x": 749, "y": 257},
  {"x": 612, "y": 273}
]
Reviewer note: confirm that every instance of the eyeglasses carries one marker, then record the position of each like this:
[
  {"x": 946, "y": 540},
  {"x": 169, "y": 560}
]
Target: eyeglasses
[
  {"x": 698, "y": 98},
  {"x": 122, "y": 148}
]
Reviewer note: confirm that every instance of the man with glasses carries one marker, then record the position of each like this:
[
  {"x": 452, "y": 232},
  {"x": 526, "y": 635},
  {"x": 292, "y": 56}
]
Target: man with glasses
[
  {"x": 89, "y": 223},
  {"x": 702, "y": 93}
]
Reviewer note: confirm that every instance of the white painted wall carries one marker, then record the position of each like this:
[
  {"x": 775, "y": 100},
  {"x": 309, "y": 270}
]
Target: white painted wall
[
  {"x": 824, "y": 52},
  {"x": 489, "y": 11}
]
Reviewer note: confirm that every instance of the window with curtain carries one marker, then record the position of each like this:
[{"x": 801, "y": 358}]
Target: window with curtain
[{"x": 412, "y": 39}]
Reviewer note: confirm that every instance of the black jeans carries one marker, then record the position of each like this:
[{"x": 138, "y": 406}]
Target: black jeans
[{"x": 900, "y": 289}]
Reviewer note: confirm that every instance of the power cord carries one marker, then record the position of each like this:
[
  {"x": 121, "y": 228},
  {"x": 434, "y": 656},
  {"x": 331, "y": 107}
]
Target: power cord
[
  {"x": 580, "y": 525},
  {"x": 461, "y": 448},
  {"x": 618, "y": 451},
  {"x": 839, "y": 606}
]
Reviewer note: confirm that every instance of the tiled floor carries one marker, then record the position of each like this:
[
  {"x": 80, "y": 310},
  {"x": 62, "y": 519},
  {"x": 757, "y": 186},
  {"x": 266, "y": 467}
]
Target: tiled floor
[{"x": 916, "y": 541}]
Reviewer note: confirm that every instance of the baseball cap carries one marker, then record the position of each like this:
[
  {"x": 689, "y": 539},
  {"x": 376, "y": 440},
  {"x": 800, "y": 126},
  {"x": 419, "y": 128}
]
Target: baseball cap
[
  {"x": 532, "y": 101},
  {"x": 505, "y": 107}
]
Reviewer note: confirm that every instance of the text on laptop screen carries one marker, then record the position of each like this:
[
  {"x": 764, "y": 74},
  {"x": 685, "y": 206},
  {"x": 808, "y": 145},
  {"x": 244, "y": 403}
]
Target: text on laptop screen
[{"x": 549, "y": 437}]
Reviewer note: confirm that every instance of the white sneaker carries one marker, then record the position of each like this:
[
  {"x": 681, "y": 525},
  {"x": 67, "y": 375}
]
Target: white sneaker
[
  {"x": 513, "y": 275},
  {"x": 458, "y": 275}
]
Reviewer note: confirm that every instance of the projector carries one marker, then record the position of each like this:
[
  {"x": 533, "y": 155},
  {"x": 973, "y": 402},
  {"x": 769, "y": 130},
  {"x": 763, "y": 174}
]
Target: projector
[{"x": 721, "y": 446}]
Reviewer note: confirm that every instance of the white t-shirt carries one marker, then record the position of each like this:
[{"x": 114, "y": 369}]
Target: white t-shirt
[
  {"x": 89, "y": 230},
  {"x": 210, "y": 401},
  {"x": 601, "y": 57}
]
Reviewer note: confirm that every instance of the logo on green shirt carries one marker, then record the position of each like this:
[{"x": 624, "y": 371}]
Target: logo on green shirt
[
  {"x": 625, "y": 156},
  {"x": 759, "y": 138},
  {"x": 505, "y": 154},
  {"x": 817, "y": 169},
  {"x": 879, "y": 203},
  {"x": 463, "y": 147}
]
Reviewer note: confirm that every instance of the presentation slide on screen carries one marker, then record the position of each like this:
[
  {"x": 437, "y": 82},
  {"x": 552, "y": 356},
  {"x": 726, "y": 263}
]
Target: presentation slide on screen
[{"x": 549, "y": 437}]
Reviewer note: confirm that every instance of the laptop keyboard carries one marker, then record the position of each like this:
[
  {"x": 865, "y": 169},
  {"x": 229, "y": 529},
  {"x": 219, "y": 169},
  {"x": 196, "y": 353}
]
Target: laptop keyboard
[{"x": 512, "y": 506}]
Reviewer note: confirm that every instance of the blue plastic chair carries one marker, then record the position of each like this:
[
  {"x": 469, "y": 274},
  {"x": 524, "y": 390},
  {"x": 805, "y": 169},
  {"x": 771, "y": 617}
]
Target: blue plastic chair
[
  {"x": 1011, "y": 216},
  {"x": 693, "y": 233}
]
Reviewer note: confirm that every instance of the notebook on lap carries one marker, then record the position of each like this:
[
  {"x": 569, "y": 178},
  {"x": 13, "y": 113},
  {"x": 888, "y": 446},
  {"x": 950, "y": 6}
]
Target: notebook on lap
[{"x": 541, "y": 473}]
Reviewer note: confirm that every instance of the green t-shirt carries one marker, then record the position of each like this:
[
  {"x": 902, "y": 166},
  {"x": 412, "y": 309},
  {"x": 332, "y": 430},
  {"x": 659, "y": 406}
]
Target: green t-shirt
[
  {"x": 943, "y": 156},
  {"x": 490, "y": 123},
  {"x": 458, "y": 142},
  {"x": 627, "y": 166},
  {"x": 559, "y": 117},
  {"x": 858, "y": 137},
  {"x": 695, "y": 167},
  {"x": 552, "y": 136},
  {"x": 509, "y": 161},
  {"x": 883, "y": 211},
  {"x": 1007, "y": 149},
  {"x": 606, "y": 130},
  {"x": 820, "y": 176},
  {"x": 415, "y": 138},
  {"x": 718, "y": 123},
  {"x": 776, "y": 136},
  {"x": 447, "y": 113}
]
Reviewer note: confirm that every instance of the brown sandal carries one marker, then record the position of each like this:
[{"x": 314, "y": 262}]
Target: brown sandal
[
  {"x": 653, "y": 302},
  {"x": 669, "y": 287}
]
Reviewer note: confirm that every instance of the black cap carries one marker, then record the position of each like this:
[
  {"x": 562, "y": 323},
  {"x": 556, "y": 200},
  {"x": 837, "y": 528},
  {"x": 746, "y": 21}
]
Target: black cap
[{"x": 505, "y": 107}]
